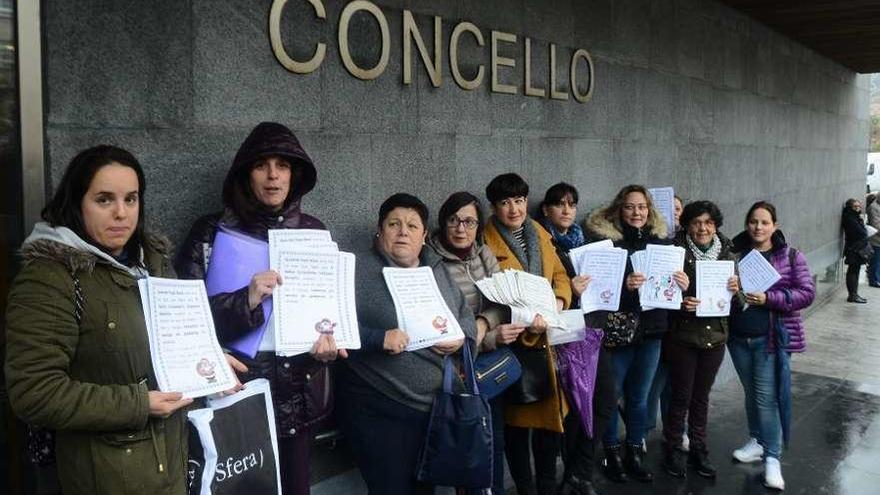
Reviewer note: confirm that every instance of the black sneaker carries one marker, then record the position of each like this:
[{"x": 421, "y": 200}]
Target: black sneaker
[
  {"x": 575, "y": 485},
  {"x": 856, "y": 299},
  {"x": 675, "y": 462},
  {"x": 699, "y": 458}
]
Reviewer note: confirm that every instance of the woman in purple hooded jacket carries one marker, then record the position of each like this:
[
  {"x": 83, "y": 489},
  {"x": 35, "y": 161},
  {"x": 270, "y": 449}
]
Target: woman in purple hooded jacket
[
  {"x": 269, "y": 176},
  {"x": 752, "y": 341}
]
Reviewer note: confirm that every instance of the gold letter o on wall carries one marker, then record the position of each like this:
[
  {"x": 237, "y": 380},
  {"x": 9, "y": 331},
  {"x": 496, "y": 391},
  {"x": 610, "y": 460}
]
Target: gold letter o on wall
[
  {"x": 347, "y": 61},
  {"x": 585, "y": 97},
  {"x": 278, "y": 47}
]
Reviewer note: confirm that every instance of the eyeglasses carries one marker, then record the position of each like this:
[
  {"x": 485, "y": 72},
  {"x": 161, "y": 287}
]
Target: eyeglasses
[{"x": 469, "y": 223}]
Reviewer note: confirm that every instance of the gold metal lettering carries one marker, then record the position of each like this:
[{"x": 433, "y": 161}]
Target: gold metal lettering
[
  {"x": 585, "y": 97},
  {"x": 410, "y": 33},
  {"x": 463, "y": 83},
  {"x": 501, "y": 61},
  {"x": 290, "y": 64},
  {"x": 529, "y": 90},
  {"x": 347, "y": 61},
  {"x": 556, "y": 95}
]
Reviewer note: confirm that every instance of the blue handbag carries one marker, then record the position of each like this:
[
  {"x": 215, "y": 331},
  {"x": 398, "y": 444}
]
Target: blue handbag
[
  {"x": 496, "y": 370},
  {"x": 458, "y": 444}
]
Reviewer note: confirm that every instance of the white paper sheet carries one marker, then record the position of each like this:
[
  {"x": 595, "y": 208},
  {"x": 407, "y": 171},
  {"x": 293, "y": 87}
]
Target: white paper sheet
[
  {"x": 756, "y": 274},
  {"x": 421, "y": 310},
  {"x": 316, "y": 297},
  {"x": 606, "y": 267},
  {"x": 186, "y": 355},
  {"x": 660, "y": 289},
  {"x": 574, "y": 329},
  {"x": 712, "y": 277},
  {"x": 577, "y": 253},
  {"x": 664, "y": 201}
]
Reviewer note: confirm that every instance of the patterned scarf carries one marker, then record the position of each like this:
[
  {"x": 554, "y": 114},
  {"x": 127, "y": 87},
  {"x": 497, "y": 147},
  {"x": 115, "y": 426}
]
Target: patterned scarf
[
  {"x": 569, "y": 240},
  {"x": 530, "y": 259},
  {"x": 710, "y": 254}
]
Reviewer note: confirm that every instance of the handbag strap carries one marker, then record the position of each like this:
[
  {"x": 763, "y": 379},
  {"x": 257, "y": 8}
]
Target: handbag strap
[
  {"x": 467, "y": 361},
  {"x": 78, "y": 301}
]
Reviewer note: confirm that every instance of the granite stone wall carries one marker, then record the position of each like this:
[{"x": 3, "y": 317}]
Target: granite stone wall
[{"x": 688, "y": 93}]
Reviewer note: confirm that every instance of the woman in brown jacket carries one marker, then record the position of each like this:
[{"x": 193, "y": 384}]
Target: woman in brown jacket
[
  {"x": 694, "y": 347},
  {"x": 520, "y": 243}
]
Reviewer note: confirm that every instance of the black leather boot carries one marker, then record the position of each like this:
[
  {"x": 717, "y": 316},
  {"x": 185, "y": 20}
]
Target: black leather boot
[
  {"x": 699, "y": 458},
  {"x": 635, "y": 464},
  {"x": 675, "y": 462},
  {"x": 614, "y": 464},
  {"x": 575, "y": 485}
]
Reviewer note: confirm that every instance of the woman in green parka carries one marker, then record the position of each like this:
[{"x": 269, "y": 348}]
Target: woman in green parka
[{"x": 78, "y": 359}]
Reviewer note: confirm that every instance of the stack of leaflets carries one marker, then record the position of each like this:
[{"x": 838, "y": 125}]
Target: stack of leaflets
[
  {"x": 316, "y": 296},
  {"x": 527, "y": 295},
  {"x": 606, "y": 265}
]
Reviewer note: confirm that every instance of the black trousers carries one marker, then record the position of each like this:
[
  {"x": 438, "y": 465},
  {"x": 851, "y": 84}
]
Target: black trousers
[
  {"x": 852, "y": 279},
  {"x": 691, "y": 372},
  {"x": 522, "y": 445},
  {"x": 386, "y": 437},
  {"x": 579, "y": 455}
]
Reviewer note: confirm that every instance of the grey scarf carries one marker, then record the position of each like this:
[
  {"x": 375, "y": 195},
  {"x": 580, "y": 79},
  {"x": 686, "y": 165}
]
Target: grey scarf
[
  {"x": 529, "y": 259},
  {"x": 710, "y": 254}
]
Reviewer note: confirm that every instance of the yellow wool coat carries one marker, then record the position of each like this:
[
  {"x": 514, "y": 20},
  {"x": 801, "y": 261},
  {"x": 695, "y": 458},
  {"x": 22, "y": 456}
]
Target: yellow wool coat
[{"x": 548, "y": 413}]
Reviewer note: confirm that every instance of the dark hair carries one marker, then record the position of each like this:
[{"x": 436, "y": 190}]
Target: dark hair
[
  {"x": 764, "y": 205},
  {"x": 506, "y": 186},
  {"x": 65, "y": 207},
  {"x": 403, "y": 200},
  {"x": 696, "y": 208},
  {"x": 612, "y": 214},
  {"x": 455, "y": 202},
  {"x": 850, "y": 202},
  {"x": 558, "y": 192}
]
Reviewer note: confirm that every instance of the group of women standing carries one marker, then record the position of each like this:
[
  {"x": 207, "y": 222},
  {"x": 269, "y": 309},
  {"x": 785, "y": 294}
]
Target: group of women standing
[{"x": 78, "y": 361}]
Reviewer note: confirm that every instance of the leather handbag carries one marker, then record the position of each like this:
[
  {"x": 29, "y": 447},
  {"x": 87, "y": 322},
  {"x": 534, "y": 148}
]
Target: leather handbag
[
  {"x": 621, "y": 328},
  {"x": 496, "y": 371},
  {"x": 458, "y": 445},
  {"x": 534, "y": 384},
  {"x": 859, "y": 254}
]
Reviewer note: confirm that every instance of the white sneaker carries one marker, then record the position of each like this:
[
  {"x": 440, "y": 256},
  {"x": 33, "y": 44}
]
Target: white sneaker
[
  {"x": 773, "y": 474},
  {"x": 750, "y": 452},
  {"x": 685, "y": 443}
]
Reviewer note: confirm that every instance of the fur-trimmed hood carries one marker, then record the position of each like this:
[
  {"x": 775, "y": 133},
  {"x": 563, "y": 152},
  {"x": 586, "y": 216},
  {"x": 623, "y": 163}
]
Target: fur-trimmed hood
[
  {"x": 62, "y": 245},
  {"x": 597, "y": 225}
]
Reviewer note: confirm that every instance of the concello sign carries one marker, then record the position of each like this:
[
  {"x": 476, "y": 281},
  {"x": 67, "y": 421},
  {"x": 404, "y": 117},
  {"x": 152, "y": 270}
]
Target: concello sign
[{"x": 431, "y": 62}]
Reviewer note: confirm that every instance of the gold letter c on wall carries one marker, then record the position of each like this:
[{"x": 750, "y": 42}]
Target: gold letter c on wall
[
  {"x": 345, "y": 53},
  {"x": 278, "y": 47}
]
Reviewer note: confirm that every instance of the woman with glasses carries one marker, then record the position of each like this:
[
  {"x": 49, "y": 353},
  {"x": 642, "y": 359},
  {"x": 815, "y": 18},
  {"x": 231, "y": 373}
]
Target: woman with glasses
[
  {"x": 520, "y": 243},
  {"x": 632, "y": 222},
  {"x": 459, "y": 243}
]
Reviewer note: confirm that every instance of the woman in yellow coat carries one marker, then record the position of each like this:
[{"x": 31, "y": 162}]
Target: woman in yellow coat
[{"x": 520, "y": 243}]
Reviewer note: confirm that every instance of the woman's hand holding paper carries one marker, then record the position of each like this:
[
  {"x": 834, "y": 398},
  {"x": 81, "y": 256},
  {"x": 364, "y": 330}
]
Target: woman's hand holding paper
[
  {"x": 681, "y": 279},
  {"x": 261, "y": 286},
  {"x": 635, "y": 280},
  {"x": 690, "y": 303},
  {"x": 396, "y": 341}
]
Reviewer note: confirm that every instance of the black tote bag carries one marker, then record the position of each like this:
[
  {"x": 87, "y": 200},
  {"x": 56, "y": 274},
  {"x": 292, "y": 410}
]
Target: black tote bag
[{"x": 458, "y": 444}]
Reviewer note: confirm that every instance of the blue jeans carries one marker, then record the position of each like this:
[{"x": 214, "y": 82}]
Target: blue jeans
[
  {"x": 874, "y": 267},
  {"x": 757, "y": 372},
  {"x": 634, "y": 369},
  {"x": 659, "y": 396}
]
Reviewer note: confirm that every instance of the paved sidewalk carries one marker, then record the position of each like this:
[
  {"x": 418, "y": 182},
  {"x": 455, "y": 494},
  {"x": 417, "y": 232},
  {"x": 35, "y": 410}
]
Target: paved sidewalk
[{"x": 835, "y": 440}]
